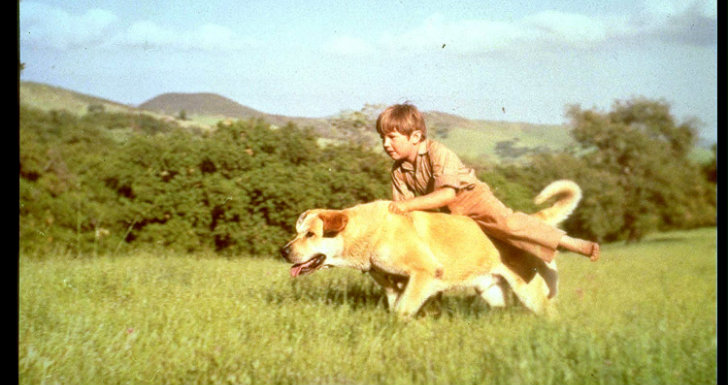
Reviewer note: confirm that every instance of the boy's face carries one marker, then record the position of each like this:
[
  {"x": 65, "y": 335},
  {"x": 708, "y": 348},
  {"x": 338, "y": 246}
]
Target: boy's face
[{"x": 402, "y": 147}]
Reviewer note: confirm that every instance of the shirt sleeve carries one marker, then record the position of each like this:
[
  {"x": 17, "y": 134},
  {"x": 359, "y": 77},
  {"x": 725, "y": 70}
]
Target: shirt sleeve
[
  {"x": 446, "y": 168},
  {"x": 400, "y": 191}
]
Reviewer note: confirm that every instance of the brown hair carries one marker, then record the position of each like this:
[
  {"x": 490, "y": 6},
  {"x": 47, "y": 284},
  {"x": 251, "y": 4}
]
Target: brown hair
[{"x": 403, "y": 118}]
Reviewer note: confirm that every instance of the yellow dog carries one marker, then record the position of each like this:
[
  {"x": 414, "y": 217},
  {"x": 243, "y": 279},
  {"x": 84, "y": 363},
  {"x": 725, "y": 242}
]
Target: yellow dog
[{"x": 419, "y": 254}]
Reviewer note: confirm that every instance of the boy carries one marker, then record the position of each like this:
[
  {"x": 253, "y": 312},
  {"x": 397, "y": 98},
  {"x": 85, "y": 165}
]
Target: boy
[{"x": 426, "y": 175}]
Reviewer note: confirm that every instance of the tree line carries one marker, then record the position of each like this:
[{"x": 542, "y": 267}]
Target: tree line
[{"x": 106, "y": 182}]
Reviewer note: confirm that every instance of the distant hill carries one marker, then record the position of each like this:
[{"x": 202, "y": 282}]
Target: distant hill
[
  {"x": 210, "y": 108},
  {"x": 469, "y": 138},
  {"x": 495, "y": 141},
  {"x": 200, "y": 104}
]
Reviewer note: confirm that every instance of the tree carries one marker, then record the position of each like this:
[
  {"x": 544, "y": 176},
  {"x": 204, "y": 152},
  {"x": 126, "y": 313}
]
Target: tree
[
  {"x": 645, "y": 150},
  {"x": 710, "y": 169}
]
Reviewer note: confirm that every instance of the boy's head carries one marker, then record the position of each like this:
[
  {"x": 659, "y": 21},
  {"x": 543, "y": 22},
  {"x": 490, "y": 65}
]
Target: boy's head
[{"x": 402, "y": 118}]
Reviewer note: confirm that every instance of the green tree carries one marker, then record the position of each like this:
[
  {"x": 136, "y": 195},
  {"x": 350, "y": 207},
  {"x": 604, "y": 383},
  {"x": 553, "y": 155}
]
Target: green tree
[
  {"x": 644, "y": 151},
  {"x": 710, "y": 169}
]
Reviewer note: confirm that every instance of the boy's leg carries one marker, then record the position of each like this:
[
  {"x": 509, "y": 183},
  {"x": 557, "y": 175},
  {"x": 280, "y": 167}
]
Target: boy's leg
[
  {"x": 517, "y": 229},
  {"x": 583, "y": 247}
]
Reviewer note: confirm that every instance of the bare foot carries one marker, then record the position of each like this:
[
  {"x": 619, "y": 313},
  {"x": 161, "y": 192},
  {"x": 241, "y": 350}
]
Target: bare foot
[{"x": 594, "y": 252}]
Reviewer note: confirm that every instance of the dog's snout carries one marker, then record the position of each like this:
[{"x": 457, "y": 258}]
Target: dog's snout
[{"x": 286, "y": 250}]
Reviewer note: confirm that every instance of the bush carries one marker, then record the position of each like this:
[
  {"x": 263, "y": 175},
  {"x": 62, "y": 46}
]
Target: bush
[{"x": 236, "y": 190}]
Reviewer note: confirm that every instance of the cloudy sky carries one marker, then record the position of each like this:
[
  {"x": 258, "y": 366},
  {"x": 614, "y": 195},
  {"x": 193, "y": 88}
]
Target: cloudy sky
[{"x": 317, "y": 58}]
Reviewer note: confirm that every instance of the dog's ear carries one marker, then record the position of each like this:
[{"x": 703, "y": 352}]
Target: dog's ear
[{"x": 334, "y": 222}]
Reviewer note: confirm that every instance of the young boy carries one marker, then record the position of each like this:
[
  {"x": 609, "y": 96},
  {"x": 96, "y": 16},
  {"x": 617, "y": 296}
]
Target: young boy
[{"x": 426, "y": 175}]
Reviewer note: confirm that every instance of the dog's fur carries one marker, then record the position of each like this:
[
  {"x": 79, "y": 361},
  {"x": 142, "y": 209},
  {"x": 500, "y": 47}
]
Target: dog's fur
[{"x": 419, "y": 254}]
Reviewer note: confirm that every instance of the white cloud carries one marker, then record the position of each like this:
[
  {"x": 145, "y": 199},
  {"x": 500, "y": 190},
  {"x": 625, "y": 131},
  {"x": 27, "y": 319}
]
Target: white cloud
[
  {"x": 679, "y": 22},
  {"x": 145, "y": 34},
  {"x": 49, "y": 26},
  {"x": 208, "y": 37},
  {"x": 42, "y": 25},
  {"x": 564, "y": 28},
  {"x": 691, "y": 24},
  {"x": 348, "y": 46},
  {"x": 467, "y": 36},
  {"x": 667, "y": 8}
]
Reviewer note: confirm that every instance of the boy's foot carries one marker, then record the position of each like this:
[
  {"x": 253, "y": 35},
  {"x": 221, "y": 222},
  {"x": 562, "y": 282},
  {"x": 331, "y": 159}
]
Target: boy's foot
[
  {"x": 594, "y": 252},
  {"x": 586, "y": 248}
]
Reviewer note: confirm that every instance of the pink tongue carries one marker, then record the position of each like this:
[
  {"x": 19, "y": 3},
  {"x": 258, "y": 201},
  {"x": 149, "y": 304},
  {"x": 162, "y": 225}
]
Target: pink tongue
[{"x": 295, "y": 270}]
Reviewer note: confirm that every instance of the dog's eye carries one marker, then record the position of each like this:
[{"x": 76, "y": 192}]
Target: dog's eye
[{"x": 309, "y": 234}]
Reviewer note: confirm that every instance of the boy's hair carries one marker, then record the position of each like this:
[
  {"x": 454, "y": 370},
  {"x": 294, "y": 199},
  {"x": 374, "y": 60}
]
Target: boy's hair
[{"x": 403, "y": 118}]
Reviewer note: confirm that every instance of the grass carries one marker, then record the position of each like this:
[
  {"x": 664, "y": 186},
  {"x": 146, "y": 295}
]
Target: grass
[{"x": 644, "y": 314}]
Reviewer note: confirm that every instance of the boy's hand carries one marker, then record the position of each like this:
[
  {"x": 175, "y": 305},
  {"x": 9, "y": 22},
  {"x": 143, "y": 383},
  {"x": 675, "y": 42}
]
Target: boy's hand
[{"x": 398, "y": 207}]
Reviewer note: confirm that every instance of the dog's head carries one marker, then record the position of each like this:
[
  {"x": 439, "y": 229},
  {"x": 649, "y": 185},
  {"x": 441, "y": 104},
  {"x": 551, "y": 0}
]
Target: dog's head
[{"x": 318, "y": 242}]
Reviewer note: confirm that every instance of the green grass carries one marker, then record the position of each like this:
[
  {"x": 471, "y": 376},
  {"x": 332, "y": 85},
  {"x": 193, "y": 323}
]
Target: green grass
[{"x": 644, "y": 314}]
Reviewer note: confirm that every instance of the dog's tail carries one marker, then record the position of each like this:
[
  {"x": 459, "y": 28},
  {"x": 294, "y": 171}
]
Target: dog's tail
[{"x": 569, "y": 195}]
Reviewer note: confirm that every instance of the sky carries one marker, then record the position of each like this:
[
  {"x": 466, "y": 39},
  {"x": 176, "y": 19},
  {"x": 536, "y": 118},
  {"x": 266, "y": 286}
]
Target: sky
[{"x": 521, "y": 61}]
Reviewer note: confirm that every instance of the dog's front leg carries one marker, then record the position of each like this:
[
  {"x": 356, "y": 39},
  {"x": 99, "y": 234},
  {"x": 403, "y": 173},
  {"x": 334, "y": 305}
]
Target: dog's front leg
[
  {"x": 389, "y": 286},
  {"x": 419, "y": 288}
]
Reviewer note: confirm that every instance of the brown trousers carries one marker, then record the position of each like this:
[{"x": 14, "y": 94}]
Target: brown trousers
[{"x": 498, "y": 221}]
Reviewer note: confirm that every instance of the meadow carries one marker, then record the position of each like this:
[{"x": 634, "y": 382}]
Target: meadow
[{"x": 646, "y": 313}]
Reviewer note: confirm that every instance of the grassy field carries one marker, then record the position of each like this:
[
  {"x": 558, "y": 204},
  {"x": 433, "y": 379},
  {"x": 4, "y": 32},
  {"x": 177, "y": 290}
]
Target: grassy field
[{"x": 644, "y": 314}]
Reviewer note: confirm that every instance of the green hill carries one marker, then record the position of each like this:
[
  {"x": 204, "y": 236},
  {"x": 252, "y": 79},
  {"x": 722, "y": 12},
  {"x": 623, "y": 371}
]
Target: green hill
[
  {"x": 490, "y": 140},
  {"x": 199, "y": 104},
  {"x": 45, "y": 97},
  {"x": 494, "y": 141},
  {"x": 210, "y": 108}
]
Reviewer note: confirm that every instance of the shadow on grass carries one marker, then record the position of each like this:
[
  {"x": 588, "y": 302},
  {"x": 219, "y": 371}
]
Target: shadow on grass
[
  {"x": 663, "y": 239},
  {"x": 361, "y": 295}
]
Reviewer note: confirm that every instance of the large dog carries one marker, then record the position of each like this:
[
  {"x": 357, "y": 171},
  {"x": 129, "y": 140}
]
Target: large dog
[{"x": 418, "y": 254}]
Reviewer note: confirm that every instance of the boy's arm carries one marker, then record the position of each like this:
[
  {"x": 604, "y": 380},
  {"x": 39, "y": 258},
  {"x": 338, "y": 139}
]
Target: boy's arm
[{"x": 434, "y": 200}]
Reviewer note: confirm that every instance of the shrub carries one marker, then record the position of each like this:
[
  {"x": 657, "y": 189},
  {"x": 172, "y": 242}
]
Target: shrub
[{"x": 237, "y": 190}]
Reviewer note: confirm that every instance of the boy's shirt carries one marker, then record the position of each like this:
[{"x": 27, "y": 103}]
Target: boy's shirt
[{"x": 436, "y": 166}]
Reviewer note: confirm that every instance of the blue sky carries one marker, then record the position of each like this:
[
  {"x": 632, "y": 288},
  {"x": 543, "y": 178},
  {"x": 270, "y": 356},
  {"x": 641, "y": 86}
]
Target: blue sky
[{"x": 306, "y": 58}]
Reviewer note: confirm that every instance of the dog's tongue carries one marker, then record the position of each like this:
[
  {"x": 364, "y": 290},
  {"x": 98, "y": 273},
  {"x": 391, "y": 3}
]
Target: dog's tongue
[{"x": 296, "y": 269}]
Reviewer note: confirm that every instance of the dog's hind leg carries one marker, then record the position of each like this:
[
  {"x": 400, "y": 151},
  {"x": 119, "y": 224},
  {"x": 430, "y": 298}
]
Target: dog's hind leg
[
  {"x": 533, "y": 295},
  {"x": 490, "y": 288},
  {"x": 551, "y": 276}
]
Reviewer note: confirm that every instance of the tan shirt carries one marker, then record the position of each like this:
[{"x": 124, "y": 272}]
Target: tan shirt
[{"x": 436, "y": 166}]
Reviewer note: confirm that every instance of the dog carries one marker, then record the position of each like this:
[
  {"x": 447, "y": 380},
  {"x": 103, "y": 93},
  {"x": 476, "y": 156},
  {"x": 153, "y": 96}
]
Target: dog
[{"x": 416, "y": 255}]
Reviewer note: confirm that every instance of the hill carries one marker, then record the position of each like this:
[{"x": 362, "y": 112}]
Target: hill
[
  {"x": 491, "y": 140},
  {"x": 199, "y": 104},
  {"x": 494, "y": 141},
  {"x": 46, "y": 97},
  {"x": 209, "y": 108}
]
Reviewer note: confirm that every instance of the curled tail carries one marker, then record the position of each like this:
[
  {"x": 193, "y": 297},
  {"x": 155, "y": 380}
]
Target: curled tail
[{"x": 568, "y": 195}]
